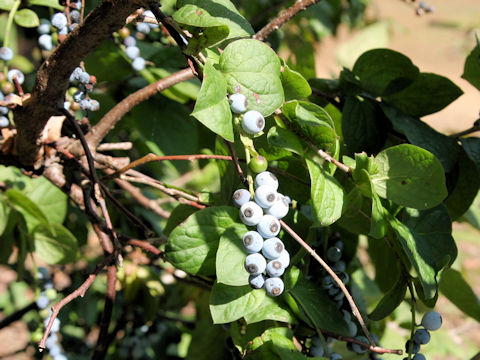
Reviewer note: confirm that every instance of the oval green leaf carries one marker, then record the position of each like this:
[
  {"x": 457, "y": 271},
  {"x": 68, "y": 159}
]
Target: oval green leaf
[
  {"x": 231, "y": 257},
  {"x": 55, "y": 244},
  {"x": 27, "y": 18}
]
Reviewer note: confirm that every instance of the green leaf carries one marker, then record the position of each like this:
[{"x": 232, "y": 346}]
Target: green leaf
[
  {"x": 284, "y": 139},
  {"x": 318, "y": 307},
  {"x": 428, "y": 94},
  {"x": 459, "y": 292},
  {"x": 212, "y": 13},
  {"x": 356, "y": 217},
  {"x": 426, "y": 238},
  {"x": 253, "y": 69},
  {"x": 49, "y": 198},
  {"x": 27, "y": 18},
  {"x": 471, "y": 70},
  {"x": 231, "y": 257},
  {"x": 4, "y": 214},
  {"x": 193, "y": 244},
  {"x": 390, "y": 301},
  {"x": 177, "y": 216},
  {"x": 272, "y": 308},
  {"x": 208, "y": 37},
  {"x": 410, "y": 176},
  {"x": 230, "y": 303},
  {"x": 294, "y": 84},
  {"x": 472, "y": 147},
  {"x": 49, "y": 3},
  {"x": 363, "y": 125},
  {"x": 55, "y": 244},
  {"x": 420, "y": 134},
  {"x": 383, "y": 71},
  {"x": 465, "y": 187},
  {"x": 212, "y": 108},
  {"x": 6, "y": 4},
  {"x": 32, "y": 213},
  {"x": 328, "y": 196}
]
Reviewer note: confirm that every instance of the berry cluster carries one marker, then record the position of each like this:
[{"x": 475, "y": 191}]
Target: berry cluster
[
  {"x": 48, "y": 294},
  {"x": 431, "y": 321},
  {"x": 77, "y": 96},
  {"x": 264, "y": 212},
  {"x": 253, "y": 121},
  {"x": 14, "y": 76}
]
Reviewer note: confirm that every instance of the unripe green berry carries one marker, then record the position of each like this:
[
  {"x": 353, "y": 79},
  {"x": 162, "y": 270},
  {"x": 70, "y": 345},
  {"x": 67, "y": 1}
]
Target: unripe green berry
[{"x": 258, "y": 164}]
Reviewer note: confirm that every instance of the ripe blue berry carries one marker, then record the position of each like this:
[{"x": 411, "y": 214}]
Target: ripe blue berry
[
  {"x": 265, "y": 196},
  {"x": 274, "y": 286},
  {"x": 251, "y": 213},
  {"x": 252, "y": 242},
  {"x": 268, "y": 226},
  {"x": 415, "y": 347},
  {"x": 6, "y": 54},
  {"x": 257, "y": 281},
  {"x": 335, "y": 356},
  {"x": 60, "y": 357},
  {"x": 275, "y": 268},
  {"x": 317, "y": 351},
  {"x": 94, "y": 105},
  {"x": 334, "y": 254},
  {"x": 55, "y": 351},
  {"x": 59, "y": 20},
  {"x": 357, "y": 348},
  {"x": 255, "y": 264},
  {"x": 284, "y": 258},
  {"x": 253, "y": 122},
  {"x": 16, "y": 74},
  {"x": 352, "y": 328},
  {"x": 241, "y": 196},
  {"x": 3, "y": 110},
  {"x": 421, "y": 336},
  {"x": 419, "y": 357},
  {"x": 79, "y": 96},
  {"x": 42, "y": 301},
  {"x": 272, "y": 248},
  {"x": 84, "y": 104},
  {"x": 280, "y": 208},
  {"x": 132, "y": 52},
  {"x": 238, "y": 103},
  {"x": 51, "y": 341},
  {"x": 76, "y": 74},
  {"x": 84, "y": 77},
  {"x": 339, "y": 266},
  {"x": 432, "y": 320},
  {"x": 138, "y": 64},
  {"x": 129, "y": 41},
  {"x": 143, "y": 28},
  {"x": 45, "y": 42},
  {"x": 75, "y": 16},
  {"x": 44, "y": 27},
  {"x": 266, "y": 178},
  {"x": 63, "y": 30}
]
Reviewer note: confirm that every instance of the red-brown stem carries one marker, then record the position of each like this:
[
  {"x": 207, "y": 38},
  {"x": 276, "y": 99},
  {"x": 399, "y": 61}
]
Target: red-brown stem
[
  {"x": 283, "y": 17},
  {"x": 145, "y": 245},
  {"x": 238, "y": 168},
  {"x": 375, "y": 349},
  {"x": 339, "y": 282},
  {"x": 80, "y": 291},
  {"x": 108, "y": 122}
]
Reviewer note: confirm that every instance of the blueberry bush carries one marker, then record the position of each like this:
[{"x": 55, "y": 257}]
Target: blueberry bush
[{"x": 173, "y": 188}]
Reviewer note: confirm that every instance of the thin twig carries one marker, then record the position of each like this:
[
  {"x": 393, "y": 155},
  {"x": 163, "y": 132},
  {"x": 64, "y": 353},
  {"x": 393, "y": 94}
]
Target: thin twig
[
  {"x": 474, "y": 128},
  {"x": 80, "y": 291},
  {"x": 115, "y": 146},
  {"x": 335, "y": 277},
  {"x": 375, "y": 349},
  {"x": 283, "y": 17},
  {"x": 238, "y": 168},
  {"x": 111, "y": 118},
  {"x": 17, "y": 315}
]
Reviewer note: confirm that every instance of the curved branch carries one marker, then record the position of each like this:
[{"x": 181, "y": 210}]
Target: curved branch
[
  {"x": 53, "y": 76},
  {"x": 283, "y": 17},
  {"x": 99, "y": 131}
]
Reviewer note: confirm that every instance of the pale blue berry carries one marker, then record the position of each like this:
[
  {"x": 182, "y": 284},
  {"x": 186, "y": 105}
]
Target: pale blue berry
[
  {"x": 252, "y": 242},
  {"x": 257, "y": 281},
  {"x": 129, "y": 41},
  {"x": 43, "y": 301},
  {"x": 251, "y": 213},
  {"x": 280, "y": 208},
  {"x": 6, "y": 54},
  {"x": 16, "y": 74},
  {"x": 421, "y": 336},
  {"x": 60, "y": 357},
  {"x": 419, "y": 357},
  {"x": 4, "y": 122},
  {"x": 238, "y": 103},
  {"x": 84, "y": 104},
  {"x": 335, "y": 356},
  {"x": 268, "y": 226},
  {"x": 3, "y": 110},
  {"x": 138, "y": 64},
  {"x": 274, "y": 286},
  {"x": 143, "y": 28},
  {"x": 266, "y": 178},
  {"x": 275, "y": 268},
  {"x": 132, "y": 52},
  {"x": 432, "y": 320},
  {"x": 241, "y": 196},
  {"x": 44, "y": 27},
  {"x": 94, "y": 105},
  {"x": 79, "y": 96},
  {"x": 55, "y": 350},
  {"x": 357, "y": 348},
  {"x": 75, "y": 76},
  {"x": 284, "y": 258},
  {"x": 63, "y": 30},
  {"x": 45, "y": 41},
  {"x": 255, "y": 264},
  {"x": 272, "y": 248},
  {"x": 59, "y": 20},
  {"x": 253, "y": 122},
  {"x": 265, "y": 196},
  {"x": 84, "y": 77},
  {"x": 75, "y": 16}
]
